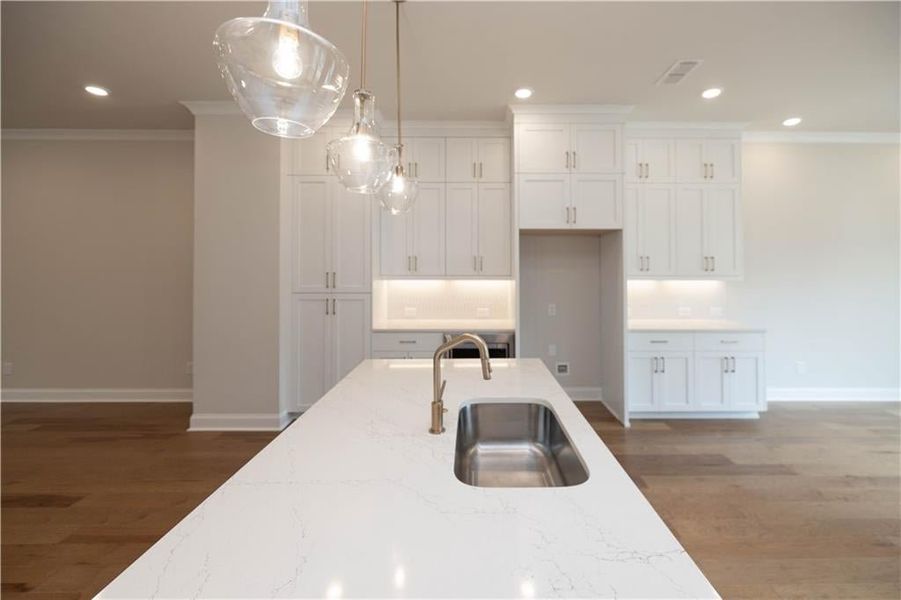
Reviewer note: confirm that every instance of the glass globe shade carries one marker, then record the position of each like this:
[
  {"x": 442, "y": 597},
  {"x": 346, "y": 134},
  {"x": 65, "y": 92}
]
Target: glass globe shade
[
  {"x": 399, "y": 194},
  {"x": 362, "y": 162},
  {"x": 286, "y": 78}
]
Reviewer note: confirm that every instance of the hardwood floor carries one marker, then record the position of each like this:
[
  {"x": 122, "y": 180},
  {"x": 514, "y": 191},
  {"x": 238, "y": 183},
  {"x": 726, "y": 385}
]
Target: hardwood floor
[{"x": 802, "y": 503}]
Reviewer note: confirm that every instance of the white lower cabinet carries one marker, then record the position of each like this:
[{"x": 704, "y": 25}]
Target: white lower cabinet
[
  {"x": 331, "y": 337},
  {"x": 709, "y": 373},
  {"x": 412, "y": 344}
]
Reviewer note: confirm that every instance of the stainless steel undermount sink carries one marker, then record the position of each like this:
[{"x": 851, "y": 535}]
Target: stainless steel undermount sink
[{"x": 514, "y": 444}]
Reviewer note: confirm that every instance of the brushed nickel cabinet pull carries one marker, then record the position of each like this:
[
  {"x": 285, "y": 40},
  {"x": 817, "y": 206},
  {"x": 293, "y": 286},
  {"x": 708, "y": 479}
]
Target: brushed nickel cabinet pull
[
  {"x": 326, "y": 306},
  {"x": 574, "y": 159},
  {"x": 655, "y": 364},
  {"x": 663, "y": 361},
  {"x": 726, "y": 363},
  {"x": 416, "y": 263},
  {"x": 638, "y": 170},
  {"x": 481, "y": 263},
  {"x": 334, "y": 307},
  {"x": 567, "y": 159},
  {"x": 660, "y": 341},
  {"x": 713, "y": 263},
  {"x": 647, "y": 170},
  {"x": 473, "y": 170},
  {"x": 567, "y": 215},
  {"x": 575, "y": 214},
  {"x": 326, "y": 279},
  {"x": 713, "y": 176},
  {"x": 334, "y": 278},
  {"x": 481, "y": 173}
]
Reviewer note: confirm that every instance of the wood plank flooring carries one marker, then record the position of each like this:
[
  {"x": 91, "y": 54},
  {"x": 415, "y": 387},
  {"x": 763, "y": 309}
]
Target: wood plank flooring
[{"x": 803, "y": 503}]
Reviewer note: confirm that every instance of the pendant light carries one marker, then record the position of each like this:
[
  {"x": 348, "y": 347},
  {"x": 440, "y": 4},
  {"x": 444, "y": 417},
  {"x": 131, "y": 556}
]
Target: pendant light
[
  {"x": 398, "y": 195},
  {"x": 360, "y": 159},
  {"x": 287, "y": 79}
]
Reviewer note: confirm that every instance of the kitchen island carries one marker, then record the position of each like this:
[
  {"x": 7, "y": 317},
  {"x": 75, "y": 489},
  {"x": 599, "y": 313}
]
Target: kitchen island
[{"x": 357, "y": 499}]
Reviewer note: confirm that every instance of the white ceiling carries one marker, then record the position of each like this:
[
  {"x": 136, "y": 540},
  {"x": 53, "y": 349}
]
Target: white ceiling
[{"x": 834, "y": 64}]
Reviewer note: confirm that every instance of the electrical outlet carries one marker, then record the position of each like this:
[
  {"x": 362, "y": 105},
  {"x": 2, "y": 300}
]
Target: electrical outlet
[
  {"x": 552, "y": 350},
  {"x": 7, "y": 368},
  {"x": 562, "y": 369},
  {"x": 801, "y": 367},
  {"x": 189, "y": 368},
  {"x": 483, "y": 312},
  {"x": 552, "y": 310},
  {"x": 684, "y": 311}
]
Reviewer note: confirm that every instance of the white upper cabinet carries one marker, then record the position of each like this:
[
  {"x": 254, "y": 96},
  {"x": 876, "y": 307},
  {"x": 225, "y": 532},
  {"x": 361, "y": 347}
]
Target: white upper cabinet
[
  {"x": 596, "y": 148},
  {"x": 412, "y": 244},
  {"x": 542, "y": 148},
  {"x": 494, "y": 230},
  {"x": 331, "y": 237},
  {"x": 478, "y": 160},
  {"x": 690, "y": 232},
  {"x": 568, "y": 148},
  {"x": 708, "y": 160},
  {"x": 722, "y": 218},
  {"x": 650, "y": 225},
  {"x": 461, "y": 227},
  {"x": 544, "y": 201},
  {"x": 596, "y": 202},
  {"x": 650, "y": 160},
  {"x": 425, "y": 158},
  {"x": 308, "y": 156}
]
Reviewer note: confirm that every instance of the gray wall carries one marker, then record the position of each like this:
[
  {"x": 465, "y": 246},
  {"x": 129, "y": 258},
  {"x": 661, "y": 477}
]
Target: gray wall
[
  {"x": 236, "y": 257},
  {"x": 97, "y": 263}
]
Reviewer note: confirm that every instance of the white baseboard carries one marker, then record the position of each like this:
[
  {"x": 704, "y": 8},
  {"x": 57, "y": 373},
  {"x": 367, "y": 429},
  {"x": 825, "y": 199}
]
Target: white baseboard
[
  {"x": 805, "y": 394},
  {"x": 720, "y": 415},
  {"x": 239, "y": 421},
  {"x": 584, "y": 393},
  {"x": 96, "y": 395}
]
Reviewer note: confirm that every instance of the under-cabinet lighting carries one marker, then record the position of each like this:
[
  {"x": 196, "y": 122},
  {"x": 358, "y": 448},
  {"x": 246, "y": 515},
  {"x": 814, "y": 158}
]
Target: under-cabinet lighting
[
  {"x": 403, "y": 363},
  {"x": 791, "y": 121},
  {"x": 96, "y": 90},
  {"x": 711, "y": 93}
]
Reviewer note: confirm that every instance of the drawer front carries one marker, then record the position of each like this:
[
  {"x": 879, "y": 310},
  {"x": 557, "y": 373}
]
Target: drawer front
[
  {"x": 660, "y": 341},
  {"x": 729, "y": 342},
  {"x": 406, "y": 342}
]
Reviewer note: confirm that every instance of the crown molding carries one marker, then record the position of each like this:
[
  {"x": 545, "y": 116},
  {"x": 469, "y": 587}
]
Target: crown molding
[
  {"x": 704, "y": 125},
  {"x": 570, "y": 109},
  {"x": 102, "y": 135},
  {"x": 211, "y": 107},
  {"x": 821, "y": 137}
]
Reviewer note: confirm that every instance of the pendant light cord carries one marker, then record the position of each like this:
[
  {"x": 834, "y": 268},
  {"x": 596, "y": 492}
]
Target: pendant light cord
[
  {"x": 397, "y": 56},
  {"x": 363, "y": 47}
]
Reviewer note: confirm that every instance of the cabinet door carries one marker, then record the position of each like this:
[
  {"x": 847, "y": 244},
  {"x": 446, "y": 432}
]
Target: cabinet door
[
  {"x": 351, "y": 233},
  {"x": 724, "y": 158},
  {"x": 711, "y": 380},
  {"x": 308, "y": 156},
  {"x": 350, "y": 333},
  {"x": 656, "y": 228},
  {"x": 542, "y": 148},
  {"x": 631, "y": 161},
  {"x": 494, "y": 225},
  {"x": 632, "y": 237},
  {"x": 461, "y": 229},
  {"x": 596, "y": 148},
  {"x": 428, "y": 159},
  {"x": 673, "y": 389},
  {"x": 596, "y": 202},
  {"x": 462, "y": 160},
  {"x": 312, "y": 222},
  {"x": 312, "y": 367},
  {"x": 394, "y": 244},
  {"x": 747, "y": 382},
  {"x": 494, "y": 160},
  {"x": 690, "y": 237},
  {"x": 722, "y": 225},
  {"x": 428, "y": 230},
  {"x": 641, "y": 381},
  {"x": 690, "y": 161},
  {"x": 658, "y": 156},
  {"x": 543, "y": 201}
]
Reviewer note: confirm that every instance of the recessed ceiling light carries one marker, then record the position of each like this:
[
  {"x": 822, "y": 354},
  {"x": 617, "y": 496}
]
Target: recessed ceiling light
[
  {"x": 96, "y": 90},
  {"x": 791, "y": 121},
  {"x": 711, "y": 93},
  {"x": 523, "y": 93}
]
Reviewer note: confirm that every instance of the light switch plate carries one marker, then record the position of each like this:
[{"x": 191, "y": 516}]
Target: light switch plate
[
  {"x": 562, "y": 369},
  {"x": 552, "y": 310}
]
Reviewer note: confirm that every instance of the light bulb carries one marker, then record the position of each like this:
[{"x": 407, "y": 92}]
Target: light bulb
[
  {"x": 399, "y": 194},
  {"x": 286, "y": 59},
  {"x": 362, "y": 162},
  {"x": 362, "y": 147}
]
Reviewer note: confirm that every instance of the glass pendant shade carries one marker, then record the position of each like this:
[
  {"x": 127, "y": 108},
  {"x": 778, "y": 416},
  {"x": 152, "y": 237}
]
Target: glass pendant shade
[
  {"x": 399, "y": 194},
  {"x": 362, "y": 162},
  {"x": 286, "y": 78}
]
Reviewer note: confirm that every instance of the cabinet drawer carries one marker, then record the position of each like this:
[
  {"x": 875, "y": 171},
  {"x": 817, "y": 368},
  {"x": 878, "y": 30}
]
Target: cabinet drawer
[
  {"x": 660, "y": 341},
  {"x": 406, "y": 342},
  {"x": 730, "y": 342}
]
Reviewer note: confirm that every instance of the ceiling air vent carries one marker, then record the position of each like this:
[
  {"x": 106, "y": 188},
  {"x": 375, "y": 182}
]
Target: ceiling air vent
[{"x": 676, "y": 73}]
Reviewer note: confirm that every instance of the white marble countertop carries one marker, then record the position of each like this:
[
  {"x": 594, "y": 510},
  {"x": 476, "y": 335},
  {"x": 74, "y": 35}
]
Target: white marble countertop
[
  {"x": 356, "y": 499},
  {"x": 443, "y": 325},
  {"x": 699, "y": 325}
]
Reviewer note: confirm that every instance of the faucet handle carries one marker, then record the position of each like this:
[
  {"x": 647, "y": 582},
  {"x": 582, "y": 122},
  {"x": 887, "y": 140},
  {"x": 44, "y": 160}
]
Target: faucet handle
[{"x": 441, "y": 390}]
